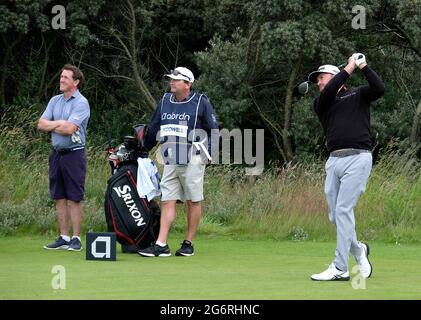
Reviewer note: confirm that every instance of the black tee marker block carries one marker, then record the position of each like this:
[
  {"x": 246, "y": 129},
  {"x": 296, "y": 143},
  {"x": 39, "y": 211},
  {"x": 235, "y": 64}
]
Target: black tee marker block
[{"x": 101, "y": 246}]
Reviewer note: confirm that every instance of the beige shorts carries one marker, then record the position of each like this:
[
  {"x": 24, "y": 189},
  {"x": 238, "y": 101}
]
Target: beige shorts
[{"x": 183, "y": 182}]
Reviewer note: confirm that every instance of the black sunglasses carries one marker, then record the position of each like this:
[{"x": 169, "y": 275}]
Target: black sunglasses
[{"x": 176, "y": 73}]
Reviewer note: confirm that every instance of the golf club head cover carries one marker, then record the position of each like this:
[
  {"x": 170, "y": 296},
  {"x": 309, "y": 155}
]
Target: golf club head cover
[{"x": 359, "y": 59}]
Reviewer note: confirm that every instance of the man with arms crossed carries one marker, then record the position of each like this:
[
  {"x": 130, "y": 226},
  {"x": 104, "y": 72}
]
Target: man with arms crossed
[{"x": 66, "y": 117}]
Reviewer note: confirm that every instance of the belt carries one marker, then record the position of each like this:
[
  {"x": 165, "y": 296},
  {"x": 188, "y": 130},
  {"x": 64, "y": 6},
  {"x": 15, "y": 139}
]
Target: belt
[
  {"x": 67, "y": 150},
  {"x": 348, "y": 152}
]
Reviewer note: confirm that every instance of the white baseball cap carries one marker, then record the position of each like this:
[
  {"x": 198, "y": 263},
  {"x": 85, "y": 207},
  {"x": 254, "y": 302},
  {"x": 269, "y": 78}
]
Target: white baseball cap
[
  {"x": 181, "y": 73},
  {"x": 327, "y": 68}
]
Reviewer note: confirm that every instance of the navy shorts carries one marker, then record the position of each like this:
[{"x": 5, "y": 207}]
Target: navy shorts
[{"x": 67, "y": 175}]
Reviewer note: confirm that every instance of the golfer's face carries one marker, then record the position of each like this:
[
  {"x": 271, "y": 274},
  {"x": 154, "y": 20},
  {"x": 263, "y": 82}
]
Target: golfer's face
[
  {"x": 66, "y": 81},
  {"x": 323, "y": 79}
]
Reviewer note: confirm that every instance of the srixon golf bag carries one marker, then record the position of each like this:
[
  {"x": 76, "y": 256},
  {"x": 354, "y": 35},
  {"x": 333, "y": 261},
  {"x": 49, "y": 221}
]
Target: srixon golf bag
[{"x": 135, "y": 220}]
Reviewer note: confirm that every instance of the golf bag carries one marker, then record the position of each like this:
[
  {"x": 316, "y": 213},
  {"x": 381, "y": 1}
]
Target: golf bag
[{"x": 135, "y": 220}]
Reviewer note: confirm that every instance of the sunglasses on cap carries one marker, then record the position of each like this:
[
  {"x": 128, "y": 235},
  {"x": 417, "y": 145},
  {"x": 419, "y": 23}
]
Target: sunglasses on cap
[{"x": 176, "y": 73}]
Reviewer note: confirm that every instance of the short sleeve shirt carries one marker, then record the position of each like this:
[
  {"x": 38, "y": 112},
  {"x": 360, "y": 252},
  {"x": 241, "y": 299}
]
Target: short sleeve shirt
[{"x": 75, "y": 110}]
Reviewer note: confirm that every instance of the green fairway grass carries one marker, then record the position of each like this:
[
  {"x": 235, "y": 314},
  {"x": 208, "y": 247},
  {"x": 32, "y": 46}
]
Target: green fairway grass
[{"x": 223, "y": 268}]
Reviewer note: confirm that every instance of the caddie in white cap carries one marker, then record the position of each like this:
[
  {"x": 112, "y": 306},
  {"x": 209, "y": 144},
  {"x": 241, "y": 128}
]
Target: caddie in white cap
[
  {"x": 181, "y": 73},
  {"x": 345, "y": 117},
  {"x": 185, "y": 125}
]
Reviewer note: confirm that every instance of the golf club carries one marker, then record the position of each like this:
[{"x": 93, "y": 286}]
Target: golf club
[{"x": 303, "y": 86}]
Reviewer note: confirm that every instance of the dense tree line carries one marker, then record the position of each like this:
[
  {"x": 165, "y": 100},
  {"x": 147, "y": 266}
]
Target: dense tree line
[{"x": 248, "y": 57}]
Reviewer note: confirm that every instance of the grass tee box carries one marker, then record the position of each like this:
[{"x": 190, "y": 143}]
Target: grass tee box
[{"x": 223, "y": 268}]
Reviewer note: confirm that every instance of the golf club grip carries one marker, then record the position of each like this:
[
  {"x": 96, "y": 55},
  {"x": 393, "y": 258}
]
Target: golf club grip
[{"x": 344, "y": 64}]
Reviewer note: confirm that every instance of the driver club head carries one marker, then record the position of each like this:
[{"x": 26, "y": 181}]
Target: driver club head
[{"x": 303, "y": 88}]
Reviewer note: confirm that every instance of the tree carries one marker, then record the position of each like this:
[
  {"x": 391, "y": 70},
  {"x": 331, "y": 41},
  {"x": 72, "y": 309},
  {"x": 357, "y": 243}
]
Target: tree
[
  {"x": 122, "y": 34},
  {"x": 252, "y": 74},
  {"x": 29, "y": 41},
  {"x": 15, "y": 20},
  {"x": 400, "y": 21},
  {"x": 282, "y": 41}
]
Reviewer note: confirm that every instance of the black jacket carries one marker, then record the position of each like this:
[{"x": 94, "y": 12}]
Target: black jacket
[{"x": 345, "y": 115}]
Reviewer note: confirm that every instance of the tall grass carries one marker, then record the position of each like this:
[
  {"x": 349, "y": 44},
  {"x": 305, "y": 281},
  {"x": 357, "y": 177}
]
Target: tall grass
[
  {"x": 391, "y": 208},
  {"x": 282, "y": 203}
]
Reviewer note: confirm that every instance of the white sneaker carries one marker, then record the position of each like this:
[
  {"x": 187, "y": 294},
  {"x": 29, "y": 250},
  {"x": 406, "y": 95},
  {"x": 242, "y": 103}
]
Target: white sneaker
[
  {"x": 331, "y": 274},
  {"x": 365, "y": 266}
]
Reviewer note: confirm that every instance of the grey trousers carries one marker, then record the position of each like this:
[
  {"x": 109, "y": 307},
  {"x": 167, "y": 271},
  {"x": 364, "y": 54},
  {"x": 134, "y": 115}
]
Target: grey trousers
[{"x": 346, "y": 179}]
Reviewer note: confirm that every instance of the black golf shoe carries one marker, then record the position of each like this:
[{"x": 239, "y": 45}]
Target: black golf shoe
[
  {"x": 186, "y": 249},
  {"x": 155, "y": 251},
  {"x": 60, "y": 243}
]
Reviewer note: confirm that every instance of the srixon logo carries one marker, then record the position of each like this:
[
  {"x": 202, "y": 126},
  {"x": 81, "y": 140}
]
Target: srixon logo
[{"x": 124, "y": 193}]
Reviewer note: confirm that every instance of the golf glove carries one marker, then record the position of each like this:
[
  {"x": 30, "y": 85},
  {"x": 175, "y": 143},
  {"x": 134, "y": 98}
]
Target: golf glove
[
  {"x": 76, "y": 137},
  {"x": 359, "y": 59}
]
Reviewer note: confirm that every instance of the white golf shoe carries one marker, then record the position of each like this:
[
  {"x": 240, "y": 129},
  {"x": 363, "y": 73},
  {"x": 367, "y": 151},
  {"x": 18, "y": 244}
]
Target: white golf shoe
[
  {"x": 365, "y": 266},
  {"x": 331, "y": 274}
]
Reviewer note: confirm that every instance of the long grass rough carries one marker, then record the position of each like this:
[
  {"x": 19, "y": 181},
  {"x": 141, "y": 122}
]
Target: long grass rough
[{"x": 282, "y": 203}]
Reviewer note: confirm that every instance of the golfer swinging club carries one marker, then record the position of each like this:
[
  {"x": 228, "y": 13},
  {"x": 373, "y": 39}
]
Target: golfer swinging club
[{"x": 345, "y": 117}]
